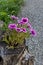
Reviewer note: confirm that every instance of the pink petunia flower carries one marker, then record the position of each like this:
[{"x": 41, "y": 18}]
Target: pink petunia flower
[
  {"x": 12, "y": 26},
  {"x": 29, "y": 25},
  {"x": 23, "y": 21},
  {"x": 18, "y": 29},
  {"x": 19, "y": 21},
  {"x": 14, "y": 17},
  {"x": 24, "y": 30},
  {"x": 33, "y": 32}
]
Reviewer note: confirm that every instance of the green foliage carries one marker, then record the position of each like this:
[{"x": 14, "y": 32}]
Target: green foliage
[
  {"x": 14, "y": 37},
  {"x": 8, "y": 7}
]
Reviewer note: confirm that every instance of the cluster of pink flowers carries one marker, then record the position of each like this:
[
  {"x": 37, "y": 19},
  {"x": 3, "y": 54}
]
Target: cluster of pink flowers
[{"x": 23, "y": 21}]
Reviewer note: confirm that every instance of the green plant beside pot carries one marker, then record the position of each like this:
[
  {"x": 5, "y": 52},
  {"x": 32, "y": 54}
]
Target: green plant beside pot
[{"x": 9, "y": 7}]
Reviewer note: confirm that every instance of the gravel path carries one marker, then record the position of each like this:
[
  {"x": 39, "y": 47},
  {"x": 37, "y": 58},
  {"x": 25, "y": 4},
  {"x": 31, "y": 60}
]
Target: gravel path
[{"x": 33, "y": 9}]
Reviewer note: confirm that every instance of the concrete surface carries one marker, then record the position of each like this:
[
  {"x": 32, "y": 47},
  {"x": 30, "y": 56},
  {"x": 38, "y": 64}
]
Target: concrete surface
[{"x": 33, "y": 9}]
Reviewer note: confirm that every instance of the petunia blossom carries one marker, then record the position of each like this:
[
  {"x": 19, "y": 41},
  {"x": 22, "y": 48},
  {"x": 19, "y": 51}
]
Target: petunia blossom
[
  {"x": 29, "y": 25},
  {"x": 33, "y": 32},
  {"x": 14, "y": 17},
  {"x": 18, "y": 29},
  {"x": 12, "y": 26},
  {"x": 23, "y": 21},
  {"x": 24, "y": 30}
]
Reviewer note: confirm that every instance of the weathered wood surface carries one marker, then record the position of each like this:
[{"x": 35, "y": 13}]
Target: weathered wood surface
[
  {"x": 18, "y": 59},
  {"x": 17, "y": 56},
  {"x": 24, "y": 61}
]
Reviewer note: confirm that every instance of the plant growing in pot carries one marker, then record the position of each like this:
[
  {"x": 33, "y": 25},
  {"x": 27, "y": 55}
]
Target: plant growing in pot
[{"x": 17, "y": 31}]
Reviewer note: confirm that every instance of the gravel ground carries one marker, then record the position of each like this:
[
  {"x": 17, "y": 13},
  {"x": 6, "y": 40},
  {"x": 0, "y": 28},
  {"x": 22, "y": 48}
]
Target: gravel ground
[{"x": 33, "y": 9}]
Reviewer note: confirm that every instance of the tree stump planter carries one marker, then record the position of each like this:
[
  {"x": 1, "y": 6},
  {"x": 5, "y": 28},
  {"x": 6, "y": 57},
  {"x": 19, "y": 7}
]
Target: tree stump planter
[{"x": 17, "y": 56}]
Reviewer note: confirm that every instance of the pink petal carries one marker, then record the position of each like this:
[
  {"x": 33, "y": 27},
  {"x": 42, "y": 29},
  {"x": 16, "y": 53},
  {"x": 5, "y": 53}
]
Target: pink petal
[
  {"x": 14, "y": 17},
  {"x": 33, "y": 32},
  {"x": 25, "y": 20},
  {"x": 24, "y": 30},
  {"x": 12, "y": 26},
  {"x": 18, "y": 29},
  {"x": 29, "y": 25}
]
